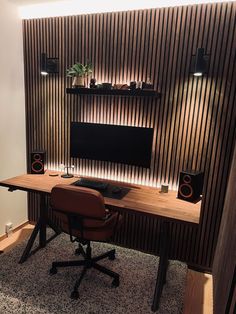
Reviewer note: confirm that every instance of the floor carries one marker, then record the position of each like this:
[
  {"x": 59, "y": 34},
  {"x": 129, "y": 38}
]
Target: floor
[{"x": 198, "y": 296}]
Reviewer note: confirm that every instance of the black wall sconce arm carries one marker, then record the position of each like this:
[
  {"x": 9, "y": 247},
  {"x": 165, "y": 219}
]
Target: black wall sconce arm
[{"x": 48, "y": 65}]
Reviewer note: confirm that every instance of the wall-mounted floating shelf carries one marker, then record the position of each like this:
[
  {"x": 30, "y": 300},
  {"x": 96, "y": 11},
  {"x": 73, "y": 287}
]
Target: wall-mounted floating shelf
[{"x": 115, "y": 92}]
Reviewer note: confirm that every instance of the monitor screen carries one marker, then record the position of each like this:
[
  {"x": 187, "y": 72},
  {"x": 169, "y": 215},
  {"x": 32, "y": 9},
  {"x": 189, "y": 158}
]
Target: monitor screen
[{"x": 114, "y": 143}]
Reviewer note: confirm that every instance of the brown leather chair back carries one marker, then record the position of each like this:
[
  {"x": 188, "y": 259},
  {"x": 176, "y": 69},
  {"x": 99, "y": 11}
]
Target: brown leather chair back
[
  {"x": 81, "y": 212},
  {"x": 83, "y": 201}
]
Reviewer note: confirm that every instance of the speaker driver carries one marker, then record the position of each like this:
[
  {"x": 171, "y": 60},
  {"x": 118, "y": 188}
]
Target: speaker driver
[
  {"x": 37, "y": 156},
  {"x": 37, "y": 166},
  {"x": 185, "y": 190},
  {"x": 186, "y": 178}
]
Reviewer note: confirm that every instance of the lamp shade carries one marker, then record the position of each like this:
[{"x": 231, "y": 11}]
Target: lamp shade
[
  {"x": 48, "y": 65},
  {"x": 200, "y": 63},
  {"x": 43, "y": 64}
]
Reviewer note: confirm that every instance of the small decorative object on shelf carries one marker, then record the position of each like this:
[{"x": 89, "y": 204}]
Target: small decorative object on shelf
[
  {"x": 132, "y": 85},
  {"x": 121, "y": 86},
  {"x": 139, "y": 85},
  {"x": 79, "y": 71},
  {"x": 107, "y": 85},
  {"x": 93, "y": 83},
  {"x": 148, "y": 84}
]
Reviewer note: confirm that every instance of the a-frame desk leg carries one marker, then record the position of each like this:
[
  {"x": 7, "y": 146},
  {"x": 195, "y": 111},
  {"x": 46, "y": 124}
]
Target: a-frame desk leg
[
  {"x": 163, "y": 265},
  {"x": 40, "y": 228}
]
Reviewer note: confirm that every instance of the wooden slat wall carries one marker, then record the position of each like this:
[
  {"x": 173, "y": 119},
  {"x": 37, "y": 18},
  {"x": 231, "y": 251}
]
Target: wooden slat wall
[
  {"x": 224, "y": 265},
  {"x": 194, "y": 121}
]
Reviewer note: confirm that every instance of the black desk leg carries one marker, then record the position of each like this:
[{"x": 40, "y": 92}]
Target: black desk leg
[
  {"x": 41, "y": 228},
  {"x": 163, "y": 265},
  {"x": 30, "y": 243},
  {"x": 43, "y": 221}
]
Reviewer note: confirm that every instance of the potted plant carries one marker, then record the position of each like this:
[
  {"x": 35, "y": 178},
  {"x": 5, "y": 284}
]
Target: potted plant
[{"x": 79, "y": 71}]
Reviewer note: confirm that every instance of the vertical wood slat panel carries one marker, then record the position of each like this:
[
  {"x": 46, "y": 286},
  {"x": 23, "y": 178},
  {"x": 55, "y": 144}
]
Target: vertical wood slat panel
[
  {"x": 193, "y": 122},
  {"x": 224, "y": 281}
]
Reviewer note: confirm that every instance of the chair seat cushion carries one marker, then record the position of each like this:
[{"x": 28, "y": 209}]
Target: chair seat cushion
[{"x": 94, "y": 230}]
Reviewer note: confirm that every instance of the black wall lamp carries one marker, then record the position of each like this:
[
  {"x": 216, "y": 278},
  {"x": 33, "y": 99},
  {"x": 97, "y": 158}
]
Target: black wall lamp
[
  {"x": 200, "y": 63},
  {"x": 48, "y": 65}
]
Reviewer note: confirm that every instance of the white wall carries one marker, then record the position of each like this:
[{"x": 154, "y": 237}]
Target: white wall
[{"x": 13, "y": 206}]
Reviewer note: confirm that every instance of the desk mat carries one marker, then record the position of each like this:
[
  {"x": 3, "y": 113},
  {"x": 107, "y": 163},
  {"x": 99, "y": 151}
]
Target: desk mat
[
  {"x": 108, "y": 192},
  {"x": 118, "y": 196}
]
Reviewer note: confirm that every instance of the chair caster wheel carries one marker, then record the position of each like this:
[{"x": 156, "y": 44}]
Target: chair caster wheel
[
  {"x": 112, "y": 257},
  {"x": 74, "y": 295},
  {"x": 116, "y": 282},
  {"x": 53, "y": 271}
]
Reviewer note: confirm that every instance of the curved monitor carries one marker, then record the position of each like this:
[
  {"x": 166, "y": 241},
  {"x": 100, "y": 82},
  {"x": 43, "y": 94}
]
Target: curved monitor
[{"x": 114, "y": 143}]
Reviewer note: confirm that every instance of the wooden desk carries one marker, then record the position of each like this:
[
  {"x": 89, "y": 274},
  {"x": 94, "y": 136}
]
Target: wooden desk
[{"x": 139, "y": 199}]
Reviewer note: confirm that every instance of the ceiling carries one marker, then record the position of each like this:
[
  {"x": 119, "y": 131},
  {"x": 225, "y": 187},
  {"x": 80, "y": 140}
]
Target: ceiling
[
  {"x": 29, "y": 9},
  {"x": 176, "y": 2},
  {"x": 29, "y": 2}
]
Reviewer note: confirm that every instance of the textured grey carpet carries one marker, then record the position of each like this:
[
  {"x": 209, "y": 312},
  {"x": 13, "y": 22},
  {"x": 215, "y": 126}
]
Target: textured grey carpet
[{"x": 28, "y": 288}]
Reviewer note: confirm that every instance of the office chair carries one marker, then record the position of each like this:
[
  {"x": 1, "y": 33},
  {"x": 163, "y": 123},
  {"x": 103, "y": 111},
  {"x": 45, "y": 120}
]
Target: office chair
[{"x": 83, "y": 216}]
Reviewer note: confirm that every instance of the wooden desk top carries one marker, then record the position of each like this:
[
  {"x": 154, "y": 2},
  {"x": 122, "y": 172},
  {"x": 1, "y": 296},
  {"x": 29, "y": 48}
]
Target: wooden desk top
[{"x": 141, "y": 199}]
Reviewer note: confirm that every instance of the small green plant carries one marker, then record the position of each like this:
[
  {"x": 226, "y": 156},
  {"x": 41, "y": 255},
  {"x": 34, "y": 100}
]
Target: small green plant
[{"x": 78, "y": 69}]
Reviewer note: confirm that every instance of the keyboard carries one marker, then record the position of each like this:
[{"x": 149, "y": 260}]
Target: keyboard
[{"x": 96, "y": 185}]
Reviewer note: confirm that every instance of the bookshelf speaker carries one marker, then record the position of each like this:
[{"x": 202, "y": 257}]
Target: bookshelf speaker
[
  {"x": 190, "y": 185},
  {"x": 37, "y": 161}
]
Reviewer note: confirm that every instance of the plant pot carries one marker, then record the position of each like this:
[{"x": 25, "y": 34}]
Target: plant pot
[{"x": 78, "y": 81}]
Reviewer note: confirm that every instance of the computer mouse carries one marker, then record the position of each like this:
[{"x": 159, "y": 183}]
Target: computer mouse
[{"x": 116, "y": 190}]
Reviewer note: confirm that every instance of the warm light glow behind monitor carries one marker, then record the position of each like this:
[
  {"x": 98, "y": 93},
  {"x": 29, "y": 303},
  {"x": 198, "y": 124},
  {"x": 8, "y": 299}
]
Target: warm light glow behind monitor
[{"x": 114, "y": 143}]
